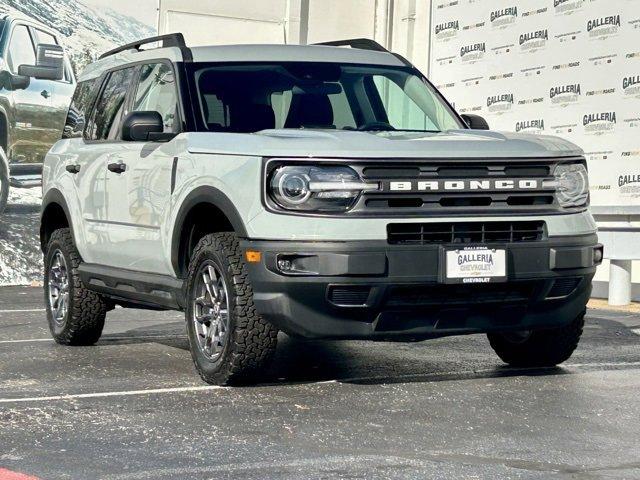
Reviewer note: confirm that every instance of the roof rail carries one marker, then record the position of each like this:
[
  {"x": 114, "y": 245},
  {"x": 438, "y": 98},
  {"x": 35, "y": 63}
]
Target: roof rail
[
  {"x": 360, "y": 43},
  {"x": 365, "y": 44},
  {"x": 169, "y": 40}
]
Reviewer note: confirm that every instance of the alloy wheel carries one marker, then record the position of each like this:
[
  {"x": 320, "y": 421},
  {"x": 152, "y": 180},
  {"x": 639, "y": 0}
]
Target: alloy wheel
[
  {"x": 58, "y": 289},
  {"x": 211, "y": 311}
]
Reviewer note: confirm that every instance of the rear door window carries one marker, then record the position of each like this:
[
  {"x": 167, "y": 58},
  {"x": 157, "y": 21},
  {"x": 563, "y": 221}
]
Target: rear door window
[
  {"x": 111, "y": 106},
  {"x": 79, "y": 108}
]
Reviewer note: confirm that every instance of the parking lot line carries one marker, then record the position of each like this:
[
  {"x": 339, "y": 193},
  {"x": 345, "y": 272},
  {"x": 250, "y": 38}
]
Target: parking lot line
[
  {"x": 26, "y": 310},
  {"x": 107, "y": 338},
  {"x": 126, "y": 393}
]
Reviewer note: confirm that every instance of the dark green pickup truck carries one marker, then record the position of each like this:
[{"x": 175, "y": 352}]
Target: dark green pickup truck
[{"x": 36, "y": 85}]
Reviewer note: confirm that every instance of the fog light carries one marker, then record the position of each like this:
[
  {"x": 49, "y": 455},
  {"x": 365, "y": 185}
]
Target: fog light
[
  {"x": 297, "y": 264},
  {"x": 284, "y": 265},
  {"x": 598, "y": 254}
]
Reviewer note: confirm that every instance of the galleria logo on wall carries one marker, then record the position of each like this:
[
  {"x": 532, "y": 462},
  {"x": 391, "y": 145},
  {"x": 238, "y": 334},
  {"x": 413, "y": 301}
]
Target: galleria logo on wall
[
  {"x": 567, "y": 6},
  {"x": 631, "y": 86},
  {"x": 532, "y": 126},
  {"x": 447, "y": 30},
  {"x": 504, "y": 17},
  {"x": 472, "y": 53},
  {"x": 603, "y": 27},
  {"x": 532, "y": 41},
  {"x": 565, "y": 94},
  {"x": 599, "y": 123},
  {"x": 500, "y": 103},
  {"x": 629, "y": 184}
]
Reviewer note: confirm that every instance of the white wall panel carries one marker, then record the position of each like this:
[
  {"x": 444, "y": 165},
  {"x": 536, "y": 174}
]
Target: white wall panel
[{"x": 569, "y": 68}]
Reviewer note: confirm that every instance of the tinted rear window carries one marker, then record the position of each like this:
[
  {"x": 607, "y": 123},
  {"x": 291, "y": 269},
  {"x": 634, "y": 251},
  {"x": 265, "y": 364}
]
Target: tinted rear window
[
  {"x": 110, "y": 107},
  {"x": 80, "y": 108}
]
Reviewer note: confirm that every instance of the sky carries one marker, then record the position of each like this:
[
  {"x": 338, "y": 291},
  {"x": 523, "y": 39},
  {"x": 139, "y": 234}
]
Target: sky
[{"x": 142, "y": 10}]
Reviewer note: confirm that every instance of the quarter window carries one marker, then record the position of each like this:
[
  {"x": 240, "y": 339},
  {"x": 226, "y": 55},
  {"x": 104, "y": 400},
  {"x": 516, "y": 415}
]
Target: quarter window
[
  {"x": 111, "y": 108},
  {"x": 21, "y": 51},
  {"x": 157, "y": 93}
]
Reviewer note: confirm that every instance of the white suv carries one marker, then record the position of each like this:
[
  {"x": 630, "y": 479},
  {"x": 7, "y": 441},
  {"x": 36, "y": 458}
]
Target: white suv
[{"x": 322, "y": 191}]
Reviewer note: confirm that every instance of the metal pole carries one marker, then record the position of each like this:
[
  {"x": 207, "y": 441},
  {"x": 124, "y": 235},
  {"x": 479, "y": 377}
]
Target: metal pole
[
  {"x": 158, "y": 16},
  {"x": 620, "y": 282}
]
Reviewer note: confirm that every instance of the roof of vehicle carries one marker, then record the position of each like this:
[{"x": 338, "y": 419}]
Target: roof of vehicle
[
  {"x": 29, "y": 21},
  {"x": 248, "y": 53}
]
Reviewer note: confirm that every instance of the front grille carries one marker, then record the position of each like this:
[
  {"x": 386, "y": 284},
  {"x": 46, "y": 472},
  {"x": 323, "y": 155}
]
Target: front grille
[
  {"x": 438, "y": 295},
  {"x": 349, "y": 295},
  {"x": 459, "y": 187},
  {"x": 464, "y": 232}
]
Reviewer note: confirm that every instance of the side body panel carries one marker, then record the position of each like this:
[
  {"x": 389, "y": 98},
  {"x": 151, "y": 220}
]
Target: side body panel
[{"x": 135, "y": 204}]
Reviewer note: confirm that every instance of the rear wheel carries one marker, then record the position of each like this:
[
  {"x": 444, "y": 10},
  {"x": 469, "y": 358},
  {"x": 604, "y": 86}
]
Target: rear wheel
[
  {"x": 538, "y": 348},
  {"x": 4, "y": 188},
  {"x": 75, "y": 314},
  {"x": 229, "y": 341}
]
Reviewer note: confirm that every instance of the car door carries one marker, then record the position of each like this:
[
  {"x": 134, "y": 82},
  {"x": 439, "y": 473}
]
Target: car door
[
  {"x": 34, "y": 128},
  {"x": 95, "y": 188},
  {"x": 60, "y": 90},
  {"x": 138, "y": 197}
]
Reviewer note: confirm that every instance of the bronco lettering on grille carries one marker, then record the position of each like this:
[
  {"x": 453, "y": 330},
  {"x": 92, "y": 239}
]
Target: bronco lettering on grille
[{"x": 453, "y": 185}]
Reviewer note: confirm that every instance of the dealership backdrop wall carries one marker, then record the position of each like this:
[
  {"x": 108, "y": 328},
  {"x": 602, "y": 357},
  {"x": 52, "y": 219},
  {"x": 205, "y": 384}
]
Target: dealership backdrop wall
[{"x": 562, "y": 67}]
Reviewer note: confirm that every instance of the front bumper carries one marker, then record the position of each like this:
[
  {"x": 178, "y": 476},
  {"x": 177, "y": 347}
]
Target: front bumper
[{"x": 373, "y": 290}]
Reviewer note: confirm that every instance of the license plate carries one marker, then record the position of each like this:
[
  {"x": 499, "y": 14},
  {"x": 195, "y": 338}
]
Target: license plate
[{"x": 476, "y": 265}]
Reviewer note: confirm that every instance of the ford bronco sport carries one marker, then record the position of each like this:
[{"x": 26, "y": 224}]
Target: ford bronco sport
[
  {"x": 36, "y": 84},
  {"x": 321, "y": 191}
]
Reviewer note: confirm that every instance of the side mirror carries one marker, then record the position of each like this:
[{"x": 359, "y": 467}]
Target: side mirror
[
  {"x": 475, "y": 122},
  {"x": 142, "y": 126},
  {"x": 49, "y": 63},
  {"x": 9, "y": 81}
]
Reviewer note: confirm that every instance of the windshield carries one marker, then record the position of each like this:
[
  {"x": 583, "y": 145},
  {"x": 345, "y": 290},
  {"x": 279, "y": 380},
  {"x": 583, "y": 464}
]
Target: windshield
[{"x": 253, "y": 97}]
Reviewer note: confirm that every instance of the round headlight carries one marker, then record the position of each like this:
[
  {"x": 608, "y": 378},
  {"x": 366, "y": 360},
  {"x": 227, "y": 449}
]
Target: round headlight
[
  {"x": 317, "y": 188},
  {"x": 572, "y": 185},
  {"x": 294, "y": 188}
]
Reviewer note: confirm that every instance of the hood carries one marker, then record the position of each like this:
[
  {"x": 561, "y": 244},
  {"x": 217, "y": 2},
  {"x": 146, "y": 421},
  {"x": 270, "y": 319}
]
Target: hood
[{"x": 353, "y": 144}]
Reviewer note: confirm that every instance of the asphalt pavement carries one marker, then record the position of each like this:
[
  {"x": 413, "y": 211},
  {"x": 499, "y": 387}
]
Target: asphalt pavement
[{"x": 133, "y": 407}]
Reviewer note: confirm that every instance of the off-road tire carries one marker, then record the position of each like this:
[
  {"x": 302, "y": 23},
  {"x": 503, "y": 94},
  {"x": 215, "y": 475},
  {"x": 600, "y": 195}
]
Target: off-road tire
[
  {"x": 87, "y": 310},
  {"x": 251, "y": 340},
  {"x": 542, "y": 348},
  {"x": 4, "y": 188}
]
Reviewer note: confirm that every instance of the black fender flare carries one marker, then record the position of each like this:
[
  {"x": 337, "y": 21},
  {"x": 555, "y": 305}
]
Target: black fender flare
[
  {"x": 53, "y": 196},
  {"x": 209, "y": 195}
]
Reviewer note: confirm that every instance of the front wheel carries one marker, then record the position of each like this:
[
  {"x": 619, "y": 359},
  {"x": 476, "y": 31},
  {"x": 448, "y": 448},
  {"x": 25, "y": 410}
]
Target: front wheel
[
  {"x": 229, "y": 341},
  {"x": 538, "y": 348}
]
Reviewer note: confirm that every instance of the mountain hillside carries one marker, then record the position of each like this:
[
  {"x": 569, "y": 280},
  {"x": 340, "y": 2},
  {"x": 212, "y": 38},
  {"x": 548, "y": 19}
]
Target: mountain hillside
[{"x": 87, "y": 31}]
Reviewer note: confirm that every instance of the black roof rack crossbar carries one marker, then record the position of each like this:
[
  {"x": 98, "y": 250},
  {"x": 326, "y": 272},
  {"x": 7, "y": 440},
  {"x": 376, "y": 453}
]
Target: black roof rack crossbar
[
  {"x": 360, "y": 43},
  {"x": 365, "y": 44},
  {"x": 169, "y": 40}
]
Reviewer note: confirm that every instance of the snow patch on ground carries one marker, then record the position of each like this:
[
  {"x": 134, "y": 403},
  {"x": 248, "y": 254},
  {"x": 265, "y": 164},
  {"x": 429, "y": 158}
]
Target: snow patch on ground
[{"x": 20, "y": 256}]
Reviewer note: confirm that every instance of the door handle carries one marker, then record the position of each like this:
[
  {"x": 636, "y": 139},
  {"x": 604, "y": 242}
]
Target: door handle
[
  {"x": 117, "y": 167},
  {"x": 73, "y": 168},
  {"x": 45, "y": 94}
]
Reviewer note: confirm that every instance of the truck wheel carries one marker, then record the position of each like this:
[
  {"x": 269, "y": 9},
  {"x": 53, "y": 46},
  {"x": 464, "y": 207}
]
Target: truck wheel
[
  {"x": 538, "y": 348},
  {"x": 75, "y": 315},
  {"x": 229, "y": 341},
  {"x": 4, "y": 189}
]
